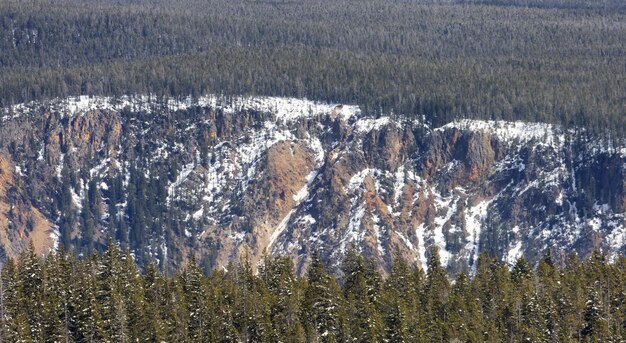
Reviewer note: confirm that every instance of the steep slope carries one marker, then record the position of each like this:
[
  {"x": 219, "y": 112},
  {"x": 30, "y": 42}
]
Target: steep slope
[{"x": 221, "y": 178}]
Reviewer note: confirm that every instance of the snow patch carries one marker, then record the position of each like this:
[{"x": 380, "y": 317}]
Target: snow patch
[
  {"x": 352, "y": 234},
  {"x": 405, "y": 240},
  {"x": 287, "y": 109},
  {"x": 378, "y": 233},
  {"x": 364, "y": 125},
  {"x": 420, "y": 232},
  {"x": 474, "y": 217},
  {"x": 279, "y": 229},
  {"x": 182, "y": 176},
  {"x": 307, "y": 219},
  {"x": 510, "y": 131}
]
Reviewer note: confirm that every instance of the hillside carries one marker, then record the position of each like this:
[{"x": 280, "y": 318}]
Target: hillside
[
  {"x": 551, "y": 61},
  {"x": 220, "y": 178}
]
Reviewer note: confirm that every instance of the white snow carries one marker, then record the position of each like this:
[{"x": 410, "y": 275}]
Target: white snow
[
  {"x": 41, "y": 153},
  {"x": 198, "y": 214},
  {"x": 54, "y": 235},
  {"x": 357, "y": 179},
  {"x": 59, "y": 168},
  {"x": 595, "y": 224},
  {"x": 235, "y": 163},
  {"x": 238, "y": 237},
  {"x": 287, "y": 109},
  {"x": 405, "y": 240},
  {"x": 353, "y": 233},
  {"x": 449, "y": 205},
  {"x": 474, "y": 216},
  {"x": 182, "y": 176},
  {"x": 302, "y": 194},
  {"x": 308, "y": 219},
  {"x": 510, "y": 131},
  {"x": 514, "y": 253},
  {"x": 278, "y": 230},
  {"x": 378, "y": 232},
  {"x": 398, "y": 185},
  {"x": 420, "y": 232},
  {"x": 316, "y": 145},
  {"x": 77, "y": 199},
  {"x": 364, "y": 125}
]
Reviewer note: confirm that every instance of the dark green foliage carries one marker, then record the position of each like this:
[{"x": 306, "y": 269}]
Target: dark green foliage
[
  {"x": 107, "y": 298},
  {"x": 548, "y": 60}
]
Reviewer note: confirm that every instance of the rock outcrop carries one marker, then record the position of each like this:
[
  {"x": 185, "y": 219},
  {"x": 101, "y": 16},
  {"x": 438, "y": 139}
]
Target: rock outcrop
[{"x": 221, "y": 179}]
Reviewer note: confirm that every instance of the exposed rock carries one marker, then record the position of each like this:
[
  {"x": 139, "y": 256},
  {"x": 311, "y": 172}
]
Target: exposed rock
[
  {"x": 223, "y": 179},
  {"x": 20, "y": 222}
]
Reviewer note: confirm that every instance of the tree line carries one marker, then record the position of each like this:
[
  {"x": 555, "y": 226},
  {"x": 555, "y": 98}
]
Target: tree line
[
  {"x": 107, "y": 298},
  {"x": 540, "y": 60}
]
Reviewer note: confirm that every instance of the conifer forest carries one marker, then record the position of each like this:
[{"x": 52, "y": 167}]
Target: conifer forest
[
  {"x": 556, "y": 61},
  {"x": 327, "y": 171},
  {"x": 106, "y": 298}
]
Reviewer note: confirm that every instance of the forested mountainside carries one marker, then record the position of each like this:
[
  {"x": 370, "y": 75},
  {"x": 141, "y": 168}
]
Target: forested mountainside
[
  {"x": 554, "y": 61},
  {"x": 107, "y": 299},
  {"x": 312, "y": 170},
  {"x": 221, "y": 178}
]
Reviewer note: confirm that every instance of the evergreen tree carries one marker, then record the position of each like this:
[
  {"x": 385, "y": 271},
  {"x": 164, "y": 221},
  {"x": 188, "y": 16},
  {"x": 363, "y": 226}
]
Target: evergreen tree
[
  {"x": 66, "y": 212},
  {"x": 434, "y": 298},
  {"x": 279, "y": 276},
  {"x": 86, "y": 315},
  {"x": 320, "y": 305},
  {"x": 114, "y": 313},
  {"x": 360, "y": 291},
  {"x": 10, "y": 308},
  {"x": 226, "y": 300},
  {"x": 155, "y": 304},
  {"x": 400, "y": 303},
  {"x": 199, "y": 301},
  {"x": 56, "y": 306},
  {"x": 30, "y": 292}
]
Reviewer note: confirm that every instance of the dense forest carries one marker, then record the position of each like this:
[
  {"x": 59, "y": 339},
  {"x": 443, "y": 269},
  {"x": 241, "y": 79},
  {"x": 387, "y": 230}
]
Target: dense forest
[
  {"x": 534, "y": 60},
  {"x": 106, "y": 298}
]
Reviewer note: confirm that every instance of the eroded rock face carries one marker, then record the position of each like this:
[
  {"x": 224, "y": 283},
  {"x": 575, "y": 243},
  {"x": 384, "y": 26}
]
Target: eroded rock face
[
  {"x": 221, "y": 179},
  {"x": 20, "y": 222}
]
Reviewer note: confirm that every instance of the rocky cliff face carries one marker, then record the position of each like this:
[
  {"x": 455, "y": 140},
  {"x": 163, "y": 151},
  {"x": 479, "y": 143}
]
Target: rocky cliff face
[{"x": 220, "y": 179}]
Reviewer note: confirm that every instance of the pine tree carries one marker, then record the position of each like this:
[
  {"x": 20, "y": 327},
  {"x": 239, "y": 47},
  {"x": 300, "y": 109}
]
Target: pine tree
[
  {"x": 395, "y": 318},
  {"x": 199, "y": 301},
  {"x": 30, "y": 291},
  {"x": 595, "y": 327},
  {"x": 114, "y": 313},
  {"x": 571, "y": 297},
  {"x": 464, "y": 315},
  {"x": 23, "y": 333},
  {"x": 361, "y": 292},
  {"x": 226, "y": 304},
  {"x": 402, "y": 289},
  {"x": 56, "y": 307},
  {"x": 86, "y": 315},
  {"x": 547, "y": 279},
  {"x": 253, "y": 313},
  {"x": 279, "y": 276},
  {"x": 131, "y": 284},
  {"x": 10, "y": 307},
  {"x": 177, "y": 313},
  {"x": 320, "y": 306},
  {"x": 434, "y": 298},
  {"x": 155, "y": 302},
  {"x": 66, "y": 212}
]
